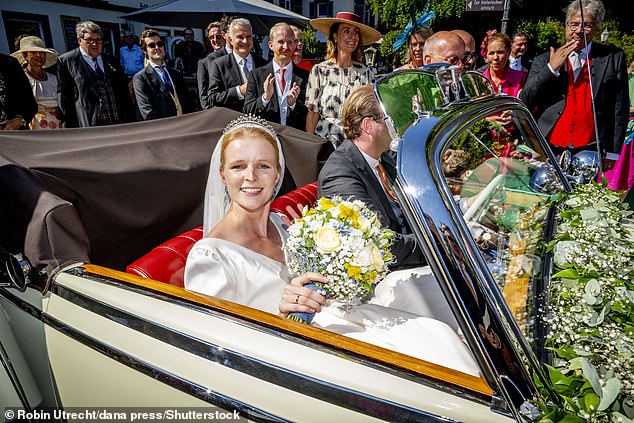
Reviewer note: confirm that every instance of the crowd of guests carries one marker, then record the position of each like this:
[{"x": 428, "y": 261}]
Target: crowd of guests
[{"x": 90, "y": 87}]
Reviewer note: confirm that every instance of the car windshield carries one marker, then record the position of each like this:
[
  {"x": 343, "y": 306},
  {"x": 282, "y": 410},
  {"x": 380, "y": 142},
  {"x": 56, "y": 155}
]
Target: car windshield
[{"x": 495, "y": 170}]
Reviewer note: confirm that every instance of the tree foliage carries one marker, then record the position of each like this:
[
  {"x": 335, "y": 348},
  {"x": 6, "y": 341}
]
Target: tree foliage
[{"x": 541, "y": 20}]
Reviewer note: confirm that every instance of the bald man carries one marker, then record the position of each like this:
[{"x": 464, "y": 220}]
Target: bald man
[
  {"x": 444, "y": 47},
  {"x": 470, "y": 58}
]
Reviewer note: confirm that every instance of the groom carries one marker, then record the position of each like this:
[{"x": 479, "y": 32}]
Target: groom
[{"x": 361, "y": 168}]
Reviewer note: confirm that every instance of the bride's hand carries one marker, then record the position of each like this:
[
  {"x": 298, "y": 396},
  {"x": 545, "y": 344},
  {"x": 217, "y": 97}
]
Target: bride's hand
[{"x": 297, "y": 297}]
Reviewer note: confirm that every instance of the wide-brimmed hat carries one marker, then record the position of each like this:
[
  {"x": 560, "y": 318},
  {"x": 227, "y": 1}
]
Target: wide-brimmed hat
[
  {"x": 369, "y": 35},
  {"x": 33, "y": 43}
]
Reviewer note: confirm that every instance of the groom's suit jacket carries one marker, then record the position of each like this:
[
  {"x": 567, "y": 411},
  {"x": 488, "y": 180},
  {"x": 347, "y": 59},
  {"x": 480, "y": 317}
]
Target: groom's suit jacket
[
  {"x": 271, "y": 111},
  {"x": 347, "y": 174},
  {"x": 545, "y": 94},
  {"x": 154, "y": 99}
]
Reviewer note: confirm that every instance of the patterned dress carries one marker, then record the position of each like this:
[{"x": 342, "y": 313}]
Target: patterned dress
[{"x": 328, "y": 87}]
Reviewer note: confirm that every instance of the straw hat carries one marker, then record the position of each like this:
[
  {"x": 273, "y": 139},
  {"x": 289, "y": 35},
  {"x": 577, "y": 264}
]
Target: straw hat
[
  {"x": 369, "y": 35},
  {"x": 32, "y": 43}
]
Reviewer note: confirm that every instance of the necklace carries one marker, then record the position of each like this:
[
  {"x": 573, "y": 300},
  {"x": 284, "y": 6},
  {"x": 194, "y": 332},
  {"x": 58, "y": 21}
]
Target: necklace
[{"x": 42, "y": 77}]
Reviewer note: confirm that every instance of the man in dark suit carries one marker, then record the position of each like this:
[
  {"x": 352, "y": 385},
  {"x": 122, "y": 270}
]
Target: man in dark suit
[
  {"x": 216, "y": 34},
  {"x": 228, "y": 74},
  {"x": 517, "y": 58},
  {"x": 361, "y": 168},
  {"x": 558, "y": 88},
  {"x": 160, "y": 91},
  {"x": 92, "y": 89},
  {"x": 17, "y": 105},
  {"x": 277, "y": 91}
]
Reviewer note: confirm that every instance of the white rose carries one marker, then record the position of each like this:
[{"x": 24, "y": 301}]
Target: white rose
[
  {"x": 364, "y": 223},
  {"x": 377, "y": 260},
  {"x": 327, "y": 239},
  {"x": 363, "y": 258}
]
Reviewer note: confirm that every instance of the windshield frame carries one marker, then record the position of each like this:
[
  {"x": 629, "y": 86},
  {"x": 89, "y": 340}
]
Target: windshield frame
[{"x": 428, "y": 205}]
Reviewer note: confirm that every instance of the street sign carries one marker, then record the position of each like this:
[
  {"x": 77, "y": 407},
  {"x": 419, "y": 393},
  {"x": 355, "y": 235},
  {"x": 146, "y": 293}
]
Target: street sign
[{"x": 485, "y": 5}]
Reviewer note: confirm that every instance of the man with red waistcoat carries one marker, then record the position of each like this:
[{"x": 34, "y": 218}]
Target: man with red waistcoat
[{"x": 558, "y": 88}]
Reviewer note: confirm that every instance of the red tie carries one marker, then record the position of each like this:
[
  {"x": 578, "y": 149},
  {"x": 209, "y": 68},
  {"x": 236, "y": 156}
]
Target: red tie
[{"x": 282, "y": 80}]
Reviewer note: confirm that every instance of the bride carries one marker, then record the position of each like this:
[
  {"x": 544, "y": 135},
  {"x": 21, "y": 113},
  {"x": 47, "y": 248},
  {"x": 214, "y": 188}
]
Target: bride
[{"x": 241, "y": 258}]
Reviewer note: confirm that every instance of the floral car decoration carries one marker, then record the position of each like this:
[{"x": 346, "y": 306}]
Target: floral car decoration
[
  {"x": 342, "y": 240},
  {"x": 591, "y": 308}
]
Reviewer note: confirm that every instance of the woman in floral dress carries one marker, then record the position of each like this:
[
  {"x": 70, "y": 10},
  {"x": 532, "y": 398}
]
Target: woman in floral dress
[
  {"x": 331, "y": 81},
  {"x": 35, "y": 58}
]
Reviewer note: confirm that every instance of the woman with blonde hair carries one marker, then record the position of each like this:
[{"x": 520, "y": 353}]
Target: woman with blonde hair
[
  {"x": 505, "y": 80},
  {"x": 332, "y": 80}
]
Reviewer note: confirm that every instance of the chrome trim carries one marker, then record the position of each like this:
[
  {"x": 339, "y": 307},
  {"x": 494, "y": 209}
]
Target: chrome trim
[
  {"x": 441, "y": 225},
  {"x": 160, "y": 375},
  {"x": 13, "y": 377},
  {"x": 288, "y": 335},
  {"x": 334, "y": 394}
]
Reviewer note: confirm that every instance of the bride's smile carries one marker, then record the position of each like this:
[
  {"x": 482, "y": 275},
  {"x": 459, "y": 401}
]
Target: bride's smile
[{"x": 250, "y": 172}]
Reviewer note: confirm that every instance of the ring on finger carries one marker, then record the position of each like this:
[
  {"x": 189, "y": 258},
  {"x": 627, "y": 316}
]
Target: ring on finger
[{"x": 297, "y": 299}]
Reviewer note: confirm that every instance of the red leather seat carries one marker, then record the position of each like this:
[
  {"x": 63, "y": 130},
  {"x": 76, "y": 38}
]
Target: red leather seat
[{"x": 166, "y": 263}]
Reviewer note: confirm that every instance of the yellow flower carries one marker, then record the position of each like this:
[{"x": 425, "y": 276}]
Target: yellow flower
[
  {"x": 326, "y": 203},
  {"x": 354, "y": 272},
  {"x": 327, "y": 239},
  {"x": 346, "y": 212}
]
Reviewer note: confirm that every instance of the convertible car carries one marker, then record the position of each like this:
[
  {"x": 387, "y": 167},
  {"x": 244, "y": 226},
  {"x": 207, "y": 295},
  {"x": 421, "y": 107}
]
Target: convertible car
[{"x": 80, "y": 207}]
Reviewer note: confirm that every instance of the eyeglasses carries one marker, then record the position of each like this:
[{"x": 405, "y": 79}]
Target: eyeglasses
[
  {"x": 92, "y": 40},
  {"x": 215, "y": 37},
  {"x": 468, "y": 57},
  {"x": 453, "y": 60},
  {"x": 576, "y": 25},
  {"x": 158, "y": 44}
]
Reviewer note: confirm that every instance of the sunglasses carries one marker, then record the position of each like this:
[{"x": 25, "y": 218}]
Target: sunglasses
[{"x": 158, "y": 44}]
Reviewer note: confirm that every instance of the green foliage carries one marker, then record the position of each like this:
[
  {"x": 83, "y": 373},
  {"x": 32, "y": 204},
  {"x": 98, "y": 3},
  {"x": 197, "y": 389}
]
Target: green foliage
[{"x": 312, "y": 47}]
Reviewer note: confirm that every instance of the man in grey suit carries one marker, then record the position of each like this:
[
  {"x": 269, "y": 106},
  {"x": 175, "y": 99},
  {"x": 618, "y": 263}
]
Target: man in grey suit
[
  {"x": 160, "y": 91},
  {"x": 216, "y": 33},
  {"x": 361, "y": 168},
  {"x": 558, "y": 88},
  {"x": 92, "y": 89},
  {"x": 277, "y": 90},
  {"x": 228, "y": 74}
]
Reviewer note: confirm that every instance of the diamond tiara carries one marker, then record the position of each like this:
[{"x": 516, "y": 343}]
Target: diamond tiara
[{"x": 250, "y": 120}]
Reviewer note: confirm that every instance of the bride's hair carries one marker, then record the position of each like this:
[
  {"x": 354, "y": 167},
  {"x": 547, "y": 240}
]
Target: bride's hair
[{"x": 249, "y": 132}]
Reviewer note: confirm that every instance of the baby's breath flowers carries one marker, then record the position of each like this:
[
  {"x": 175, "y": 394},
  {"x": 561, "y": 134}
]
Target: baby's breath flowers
[
  {"x": 591, "y": 325},
  {"x": 343, "y": 241}
]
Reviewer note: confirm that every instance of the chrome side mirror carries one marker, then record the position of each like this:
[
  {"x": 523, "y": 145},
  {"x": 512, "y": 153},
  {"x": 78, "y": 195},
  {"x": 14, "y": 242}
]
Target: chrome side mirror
[
  {"x": 545, "y": 180},
  {"x": 14, "y": 270},
  {"x": 584, "y": 167}
]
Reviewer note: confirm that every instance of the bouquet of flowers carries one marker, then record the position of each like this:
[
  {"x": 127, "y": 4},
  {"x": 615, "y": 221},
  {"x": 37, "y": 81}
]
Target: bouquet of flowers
[{"x": 343, "y": 241}]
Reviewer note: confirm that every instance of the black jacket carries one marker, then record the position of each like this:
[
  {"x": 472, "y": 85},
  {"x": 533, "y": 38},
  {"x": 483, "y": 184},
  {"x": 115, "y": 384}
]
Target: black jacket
[
  {"x": 154, "y": 99},
  {"x": 347, "y": 174},
  {"x": 253, "y": 104},
  {"x": 18, "y": 100},
  {"x": 77, "y": 92},
  {"x": 224, "y": 77}
]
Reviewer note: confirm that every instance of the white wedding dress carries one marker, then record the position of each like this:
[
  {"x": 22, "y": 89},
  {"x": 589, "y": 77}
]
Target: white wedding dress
[{"x": 391, "y": 319}]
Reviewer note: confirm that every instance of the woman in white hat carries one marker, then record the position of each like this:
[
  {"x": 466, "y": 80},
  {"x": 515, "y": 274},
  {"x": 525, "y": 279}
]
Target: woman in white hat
[
  {"x": 331, "y": 81},
  {"x": 34, "y": 57}
]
